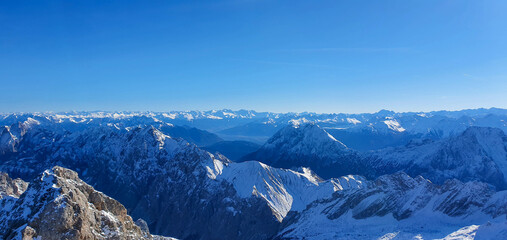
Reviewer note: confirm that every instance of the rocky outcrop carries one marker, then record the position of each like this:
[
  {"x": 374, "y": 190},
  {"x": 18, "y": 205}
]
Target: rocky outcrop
[
  {"x": 10, "y": 190},
  {"x": 59, "y": 205}
]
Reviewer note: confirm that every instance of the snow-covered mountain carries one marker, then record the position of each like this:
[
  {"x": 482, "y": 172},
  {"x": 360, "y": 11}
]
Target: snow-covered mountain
[
  {"x": 10, "y": 190},
  {"x": 479, "y": 153},
  {"x": 365, "y": 131},
  {"x": 400, "y": 207},
  {"x": 183, "y": 191},
  {"x": 308, "y": 145},
  {"x": 59, "y": 205},
  {"x": 73, "y": 123},
  {"x": 175, "y": 186}
]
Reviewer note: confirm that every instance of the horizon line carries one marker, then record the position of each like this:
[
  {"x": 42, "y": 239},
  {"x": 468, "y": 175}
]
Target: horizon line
[{"x": 236, "y": 110}]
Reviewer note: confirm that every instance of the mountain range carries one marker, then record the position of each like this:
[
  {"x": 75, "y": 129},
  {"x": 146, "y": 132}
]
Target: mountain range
[
  {"x": 302, "y": 183},
  {"x": 479, "y": 153},
  {"x": 366, "y": 131}
]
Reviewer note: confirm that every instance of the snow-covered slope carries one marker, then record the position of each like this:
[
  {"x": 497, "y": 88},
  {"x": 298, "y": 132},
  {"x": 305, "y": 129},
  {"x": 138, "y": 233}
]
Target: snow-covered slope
[
  {"x": 283, "y": 190},
  {"x": 400, "y": 207}
]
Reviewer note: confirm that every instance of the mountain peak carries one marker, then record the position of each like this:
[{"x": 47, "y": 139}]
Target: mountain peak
[
  {"x": 299, "y": 135},
  {"x": 307, "y": 145}
]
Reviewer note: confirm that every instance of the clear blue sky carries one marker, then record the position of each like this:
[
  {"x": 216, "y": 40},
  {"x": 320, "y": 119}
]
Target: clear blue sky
[{"x": 321, "y": 56}]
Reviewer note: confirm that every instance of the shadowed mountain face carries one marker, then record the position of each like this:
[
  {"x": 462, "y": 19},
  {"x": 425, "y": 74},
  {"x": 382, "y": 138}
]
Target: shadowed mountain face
[{"x": 366, "y": 139}]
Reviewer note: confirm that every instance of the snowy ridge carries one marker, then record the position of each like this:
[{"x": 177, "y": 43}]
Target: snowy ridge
[
  {"x": 400, "y": 207},
  {"x": 283, "y": 190}
]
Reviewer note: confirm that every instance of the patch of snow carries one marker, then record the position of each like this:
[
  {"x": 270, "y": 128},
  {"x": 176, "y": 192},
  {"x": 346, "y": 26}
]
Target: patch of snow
[
  {"x": 353, "y": 121},
  {"x": 394, "y": 125}
]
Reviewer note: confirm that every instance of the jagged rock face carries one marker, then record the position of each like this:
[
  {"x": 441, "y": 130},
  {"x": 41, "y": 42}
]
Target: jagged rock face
[
  {"x": 58, "y": 205},
  {"x": 308, "y": 145},
  {"x": 400, "y": 195},
  {"x": 477, "y": 154},
  {"x": 397, "y": 203},
  {"x": 10, "y": 190}
]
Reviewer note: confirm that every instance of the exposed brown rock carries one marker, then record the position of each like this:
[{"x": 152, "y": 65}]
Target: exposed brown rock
[{"x": 59, "y": 205}]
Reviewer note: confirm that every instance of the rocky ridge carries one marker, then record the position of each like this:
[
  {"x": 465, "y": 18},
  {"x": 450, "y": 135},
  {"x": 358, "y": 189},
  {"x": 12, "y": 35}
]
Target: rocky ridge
[{"x": 59, "y": 205}]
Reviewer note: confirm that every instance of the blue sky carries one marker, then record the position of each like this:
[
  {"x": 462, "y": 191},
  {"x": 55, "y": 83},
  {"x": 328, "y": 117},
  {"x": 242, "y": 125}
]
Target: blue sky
[{"x": 319, "y": 56}]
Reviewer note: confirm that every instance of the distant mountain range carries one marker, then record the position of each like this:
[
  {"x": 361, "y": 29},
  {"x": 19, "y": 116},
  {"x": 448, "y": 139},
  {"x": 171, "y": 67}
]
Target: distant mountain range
[{"x": 365, "y": 131}]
